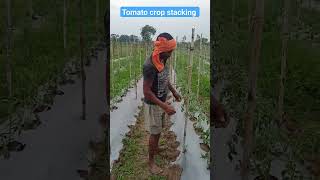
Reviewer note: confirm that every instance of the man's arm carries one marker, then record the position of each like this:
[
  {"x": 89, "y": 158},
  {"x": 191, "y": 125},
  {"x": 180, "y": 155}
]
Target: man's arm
[{"x": 174, "y": 92}]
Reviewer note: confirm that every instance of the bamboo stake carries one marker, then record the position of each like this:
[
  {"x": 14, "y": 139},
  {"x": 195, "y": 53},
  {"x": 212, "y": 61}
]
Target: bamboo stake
[
  {"x": 135, "y": 80},
  {"x": 111, "y": 48},
  {"x": 188, "y": 87},
  {"x": 83, "y": 75},
  {"x": 8, "y": 63},
  {"x": 253, "y": 73},
  {"x": 120, "y": 54},
  {"x": 199, "y": 67},
  {"x": 130, "y": 58},
  {"x": 127, "y": 49},
  {"x": 65, "y": 26},
  {"x": 204, "y": 52},
  {"x": 97, "y": 19},
  {"x": 285, "y": 34},
  {"x": 8, "y": 47},
  {"x": 171, "y": 68},
  {"x": 56, "y": 7},
  {"x": 139, "y": 56},
  {"x": 114, "y": 53},
  {"x": 298, "y": 9},
  {"x": 117, "y": 48},
  {"x": 175, "y": 64},
  {"x": 30, "y": 8},
  {"x": 112, "y": 70},
  {"x": 232, "y": 11}
]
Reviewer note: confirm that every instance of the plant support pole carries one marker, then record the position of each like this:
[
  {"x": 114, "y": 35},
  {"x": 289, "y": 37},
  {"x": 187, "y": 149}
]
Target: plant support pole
[
  {"x": 130, "y": 58},
  {"x": 256, "y": 34},
  {"x": 8, "y": 47},
  {"x": 188, "y": 88},
  {"x": 97, "y": 19},
  {"x": 83, "y": 75},
  {"x": 135, "y": 77},
  {"x": 285, "y": 35},
  {"x": 119, "y": 53},
  {"x": 139, "y": 56},
  {"x": 65, "y": 26},
  {"x": 30, "y": 8},
  {"x": 199, "y": 66},
  {"x": 112, "y": 70},
  {"x": 8, "y": 64},
  {"x": 171, "y": 68},
  {"x": 175, "y": 64}
]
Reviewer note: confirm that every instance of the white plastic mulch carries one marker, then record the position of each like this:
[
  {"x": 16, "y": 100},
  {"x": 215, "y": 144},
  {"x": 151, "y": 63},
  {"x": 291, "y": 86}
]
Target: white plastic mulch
[{"x": 120, "y": 118}]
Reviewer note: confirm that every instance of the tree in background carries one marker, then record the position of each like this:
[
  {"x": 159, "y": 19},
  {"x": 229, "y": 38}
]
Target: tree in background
[
  {"x": 114, "y": 37},
  {"x": 133, "y": 38},
  {"x": 146, "y": 33},
  {"x": 204, "y": 41},
  {"x": 184, "y": 38},
  {"x": 124, "y": 38}
]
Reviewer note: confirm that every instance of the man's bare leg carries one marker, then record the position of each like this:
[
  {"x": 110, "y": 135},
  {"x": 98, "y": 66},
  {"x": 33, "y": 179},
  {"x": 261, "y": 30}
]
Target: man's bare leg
[{"x": 153, "y": 147}]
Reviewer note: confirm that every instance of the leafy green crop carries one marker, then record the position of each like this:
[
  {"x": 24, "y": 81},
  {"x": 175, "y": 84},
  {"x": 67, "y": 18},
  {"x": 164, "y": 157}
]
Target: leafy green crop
[
  {"x": 199, "y": 109},
  {"x": 121, "y": 59},
  {"x": 301, "y": 101},
  {"x": 38, "y": 59}
]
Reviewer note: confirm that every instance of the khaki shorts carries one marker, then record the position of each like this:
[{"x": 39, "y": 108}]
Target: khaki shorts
[{"x": 153, "y": 118}]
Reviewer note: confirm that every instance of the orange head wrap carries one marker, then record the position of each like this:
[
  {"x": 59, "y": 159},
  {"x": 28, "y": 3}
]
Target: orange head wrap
[{"x": 162, "y": 45}]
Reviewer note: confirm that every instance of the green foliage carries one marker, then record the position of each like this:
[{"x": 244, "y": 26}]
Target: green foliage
[
  {"x": 301, "y": 102},
  {"x": 121, "y": 60},
  {"x": 37, "y": 56},
  {"x": 199, "y": 109},
  {"x": 146, "y": 32}
]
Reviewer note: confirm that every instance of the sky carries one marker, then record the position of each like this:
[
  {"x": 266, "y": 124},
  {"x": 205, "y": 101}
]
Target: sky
[{"x": 175, "y": 26}]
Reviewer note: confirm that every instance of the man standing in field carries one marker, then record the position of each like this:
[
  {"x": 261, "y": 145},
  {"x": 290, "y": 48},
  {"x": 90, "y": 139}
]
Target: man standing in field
[{"x": 156, "y": 86}]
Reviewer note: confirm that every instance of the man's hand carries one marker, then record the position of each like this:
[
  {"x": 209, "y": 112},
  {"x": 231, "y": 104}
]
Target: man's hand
[
  {"x": 177, "y": 96},
  {"x": 169, "y": 109}
]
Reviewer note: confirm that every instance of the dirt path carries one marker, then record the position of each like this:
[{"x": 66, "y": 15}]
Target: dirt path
[
  {"x": 59, "y": 146},
  {"x": 132, "y": 163}
]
